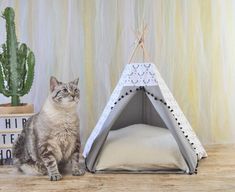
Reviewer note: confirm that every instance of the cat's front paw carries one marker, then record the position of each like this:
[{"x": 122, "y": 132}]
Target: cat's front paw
[
  {"x": 55, "y": 177},
  {"x": 78, "y": 172}
]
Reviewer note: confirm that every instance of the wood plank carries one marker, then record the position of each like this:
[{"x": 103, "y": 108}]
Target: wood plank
[{"x": 216, "y": 173}]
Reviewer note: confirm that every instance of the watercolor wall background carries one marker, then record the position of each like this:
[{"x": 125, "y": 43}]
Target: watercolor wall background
[{"x": 191, "y": 42}]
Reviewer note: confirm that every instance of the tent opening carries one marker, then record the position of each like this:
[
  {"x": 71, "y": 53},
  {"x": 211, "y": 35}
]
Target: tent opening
[{"x": 139, "y": 141}]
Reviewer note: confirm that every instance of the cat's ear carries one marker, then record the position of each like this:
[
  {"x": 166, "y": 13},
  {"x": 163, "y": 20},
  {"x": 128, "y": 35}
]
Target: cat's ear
[
  {"x": 75, "y": 82},
  {"x": 53, "y": 83}
]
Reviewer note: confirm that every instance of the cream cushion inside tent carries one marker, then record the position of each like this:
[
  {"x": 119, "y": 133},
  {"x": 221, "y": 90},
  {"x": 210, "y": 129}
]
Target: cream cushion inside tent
[{"x": 141, "y": 147}]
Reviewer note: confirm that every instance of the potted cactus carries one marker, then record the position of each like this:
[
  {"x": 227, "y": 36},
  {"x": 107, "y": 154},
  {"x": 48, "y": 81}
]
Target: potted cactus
[
  {"x": 16, "y": 68},
  {"x": 16, "y": 77}
]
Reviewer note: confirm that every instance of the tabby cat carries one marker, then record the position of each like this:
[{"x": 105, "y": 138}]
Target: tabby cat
[{"x": 51, "y": 138}]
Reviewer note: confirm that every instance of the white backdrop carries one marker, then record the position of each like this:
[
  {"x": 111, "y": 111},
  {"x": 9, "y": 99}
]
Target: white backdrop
[{"x": 191, "y": 42}]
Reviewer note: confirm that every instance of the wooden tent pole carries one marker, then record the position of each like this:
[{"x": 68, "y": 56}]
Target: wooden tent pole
[{"x": 141, "y": 44}]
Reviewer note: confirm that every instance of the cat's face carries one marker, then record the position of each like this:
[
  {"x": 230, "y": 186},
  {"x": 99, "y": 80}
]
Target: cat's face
[{"x": 64, "y": 94}]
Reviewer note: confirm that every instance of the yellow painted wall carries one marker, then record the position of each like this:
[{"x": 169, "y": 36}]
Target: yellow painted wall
[{"x": 192, "y": 42}]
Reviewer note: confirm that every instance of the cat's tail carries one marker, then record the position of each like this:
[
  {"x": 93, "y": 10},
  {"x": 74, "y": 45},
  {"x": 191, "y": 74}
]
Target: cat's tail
[
  {"x": 32, "y": 169},
  {"x": 18, "y": 150},
  {"x": 23, "y": 161}
]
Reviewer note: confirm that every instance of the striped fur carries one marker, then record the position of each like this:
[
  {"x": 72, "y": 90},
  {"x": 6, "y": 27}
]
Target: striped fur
[{"x": 51, "y": 138}]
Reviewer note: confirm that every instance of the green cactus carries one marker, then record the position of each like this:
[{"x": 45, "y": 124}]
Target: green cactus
[{"x": 16, "y": 63}]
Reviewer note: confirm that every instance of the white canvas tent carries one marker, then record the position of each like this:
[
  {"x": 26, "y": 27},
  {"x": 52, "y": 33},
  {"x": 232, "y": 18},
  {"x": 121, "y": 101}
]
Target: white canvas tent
[
  {"x": 141, "y": 96},
  {"x": 142, "y": 128}
]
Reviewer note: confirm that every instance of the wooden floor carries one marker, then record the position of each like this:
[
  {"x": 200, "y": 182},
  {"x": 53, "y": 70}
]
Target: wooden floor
[{"x": 216, "y": 173}]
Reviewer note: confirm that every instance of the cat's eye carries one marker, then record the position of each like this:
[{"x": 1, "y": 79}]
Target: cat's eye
[
  {"x": 65, "y": 90},
  {"x": 76, "y": 91}
]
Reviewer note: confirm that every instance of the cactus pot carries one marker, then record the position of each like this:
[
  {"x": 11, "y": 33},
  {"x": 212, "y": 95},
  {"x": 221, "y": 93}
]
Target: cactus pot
[
  {"x": 21, "y": 109},
  {"x": 12, "y": 120}
]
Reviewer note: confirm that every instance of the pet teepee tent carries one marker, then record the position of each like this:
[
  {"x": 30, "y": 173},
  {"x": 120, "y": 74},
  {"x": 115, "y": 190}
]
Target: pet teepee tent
[{"x": 141, "y": 96}]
